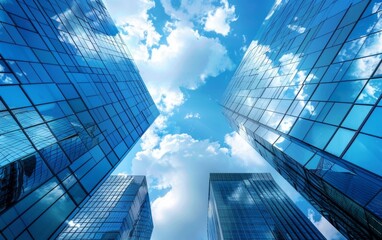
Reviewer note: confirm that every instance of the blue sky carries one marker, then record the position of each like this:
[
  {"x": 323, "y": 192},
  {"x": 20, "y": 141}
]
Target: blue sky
[{"x": 187, "y": 52}]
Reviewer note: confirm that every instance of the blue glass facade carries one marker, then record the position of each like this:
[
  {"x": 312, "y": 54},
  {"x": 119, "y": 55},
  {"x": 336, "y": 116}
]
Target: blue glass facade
[
  {"x": 252, "y": 206},
  {"x": 307, "y": 96},
  {"x": 72, "y": 104},
  {"x": 119, "y": 209}
]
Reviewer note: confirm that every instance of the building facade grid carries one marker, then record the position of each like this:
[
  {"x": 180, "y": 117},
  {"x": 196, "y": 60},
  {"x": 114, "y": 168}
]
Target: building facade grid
[
  {"x": 307, "y": 96},
  {"x": 72, "y": 104},
  {"x": 119, "y": 209},
  {"x": 253, "y": 206}
]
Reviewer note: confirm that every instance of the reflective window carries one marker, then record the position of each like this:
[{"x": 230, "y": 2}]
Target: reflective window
[
  {"x": 50, "y": 111},
  {"x": 370, "y": 47},
  {"x": 373, "y": 124},
  {"x": 286, "y": 124},
  {"x": 350, "y": 50},
  {"x": 27, "y": 117},
  {"x": 16, "y": 52},
  {"x": 7, "y": 123},
  {"x": 363, "y": 26},
  {"x": 55, "y": 158},
  {"x": 356, "y": 116},
  {"x": 347, "y": 91},
  {"x": 319, "y": 134},
  {"x": 372, "y": 91},
  {"x": 362, "y": 68},
  {"x": 301, "y": 127},
  {"x": 41, "y": 136},
  {"x": 299, "y": 153},
  {"x": 282, "y": 143},
  {"x": 52, "y": 218},
  {"x": 14, "y": 96},
  {"x": 14, "y": 145},
  {"x": 337, "y": 113},
  {"x": 340, "y": 140},
  {"x": 43, "y": 93},
  {"x": 366, "y": 152},
  {"x": 319, "y": 165},
  {"x": 324, "y": 91}
]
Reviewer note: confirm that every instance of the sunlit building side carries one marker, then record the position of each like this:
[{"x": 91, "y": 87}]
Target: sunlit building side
[
  {"x": 307, "y": 96},
  {"x": 72, "y": 104}
]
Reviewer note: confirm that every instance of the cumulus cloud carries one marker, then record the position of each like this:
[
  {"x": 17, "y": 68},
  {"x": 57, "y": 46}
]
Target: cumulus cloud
[
  {"x": 138, "y": 31},
  {"x": 181, "y": 164},
  {"x": 219, "y": 19},
  {"x": 216, "y": 15},
  {"x": 192, "y": 115},
  {"x": 243, "y": 151},
  {"x": 188, "y": 11},
  {"x": 324, "y": 226},
  {"x": 184, "y": 59}
]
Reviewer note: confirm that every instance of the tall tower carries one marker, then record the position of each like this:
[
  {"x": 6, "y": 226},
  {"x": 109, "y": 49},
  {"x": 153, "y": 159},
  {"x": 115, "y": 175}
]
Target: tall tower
[
  {"x": 119, "y": 209},
  {"x": 307, "y": 96},
  {"x": 252, "y": 206},
  {"x": 72, "y": 104}
]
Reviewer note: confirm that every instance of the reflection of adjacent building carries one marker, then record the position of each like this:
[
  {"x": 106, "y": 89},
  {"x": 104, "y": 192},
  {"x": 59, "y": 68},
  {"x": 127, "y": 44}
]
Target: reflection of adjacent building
[
  {"x": 307, "y": 96},
  {"x": 252, "y": 206},
  {"x": 119, "y": 209},
  {"x": 11, "y": 184},
  {"x": 72, "y": 104}
]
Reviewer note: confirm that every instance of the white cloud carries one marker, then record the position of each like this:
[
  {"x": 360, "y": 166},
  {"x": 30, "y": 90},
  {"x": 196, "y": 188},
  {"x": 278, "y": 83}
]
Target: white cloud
[
  {"x": 296, "y": 28},
  {"x": 138, "y": 31},
  {"x": 324, "y": 226},
  {"x": 274, "y": 8},
  {"x": 181, "y": 164},
  {"x": 242, "y": 151},
  {"x": 189, "y": 10},
  {"x": 219, "y": 19},
  {"x": 192, "y": 115},
  {"x": 185, "y": 59}
]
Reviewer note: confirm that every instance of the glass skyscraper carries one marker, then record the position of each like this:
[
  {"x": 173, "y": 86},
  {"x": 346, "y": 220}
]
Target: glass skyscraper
[
  {"x": 72, "y": 104},
  {"x": 252, "y": 206},
  {"x": 307, "y": 96},
  {"x": 119, "y": 209}
]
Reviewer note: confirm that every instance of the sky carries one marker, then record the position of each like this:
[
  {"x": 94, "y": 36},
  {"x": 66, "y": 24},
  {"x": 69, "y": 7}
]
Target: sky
[{"x": 186, "y": 52}]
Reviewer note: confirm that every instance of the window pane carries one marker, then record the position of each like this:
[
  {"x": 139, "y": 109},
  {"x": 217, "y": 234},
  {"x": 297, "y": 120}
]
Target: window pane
[
  {"x": 14, "y": 97},
  {"x": 373, "y": 124},
  {"x": 362, "y": 68},
  {"x": 366, "y": 152},
  {"x": 356, "y": 116},
  {"x": 371, "y": 92},
  {"x": 347, "y": 91},
  {"x": 319, "y": 135},
  {"x": 337, "y": 113},
  {"x": 339, "y": 141},
  {"x": 43, "y": 93},
  {"x": 300, "y": 128}
]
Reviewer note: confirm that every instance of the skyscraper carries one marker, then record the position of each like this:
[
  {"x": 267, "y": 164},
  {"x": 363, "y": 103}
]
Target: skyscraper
[
  {"x": 252, "y": 206},
  {"x": 119, "y": 209},
  {"x": 72, "y": 104},
  {"x": 307, "y": 96}
]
